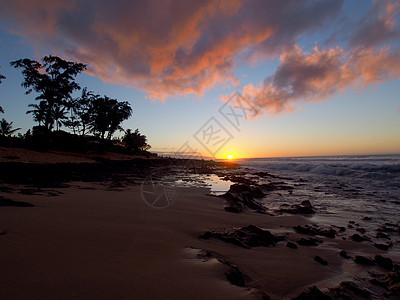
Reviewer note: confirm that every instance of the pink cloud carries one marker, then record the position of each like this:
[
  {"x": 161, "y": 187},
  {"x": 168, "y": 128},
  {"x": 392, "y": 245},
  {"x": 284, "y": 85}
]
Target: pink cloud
[
  {"x": 175, "y": 48},
  {"x": 304, "y": 77},
  {"x": 167, "y": 48},
  {"x": 378, "y": 26}
]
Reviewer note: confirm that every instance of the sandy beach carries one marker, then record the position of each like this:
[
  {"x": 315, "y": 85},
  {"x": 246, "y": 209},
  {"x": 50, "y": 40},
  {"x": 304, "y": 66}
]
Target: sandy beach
[{"x": 92, "y": 241}]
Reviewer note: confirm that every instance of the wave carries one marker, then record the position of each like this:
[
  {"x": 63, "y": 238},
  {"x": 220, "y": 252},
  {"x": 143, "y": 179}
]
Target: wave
[{"x": 378, "y": 167}]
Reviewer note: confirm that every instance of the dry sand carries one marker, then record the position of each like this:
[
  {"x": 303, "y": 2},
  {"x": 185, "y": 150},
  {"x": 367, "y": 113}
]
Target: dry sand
[{"x": 96, "y": 243}]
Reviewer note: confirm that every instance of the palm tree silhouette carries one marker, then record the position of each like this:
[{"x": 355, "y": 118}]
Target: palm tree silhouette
[
  {"x": 59, "y": 115},
  {"x": 6, "y": 129},
  {"x": 38, "y": 111}
]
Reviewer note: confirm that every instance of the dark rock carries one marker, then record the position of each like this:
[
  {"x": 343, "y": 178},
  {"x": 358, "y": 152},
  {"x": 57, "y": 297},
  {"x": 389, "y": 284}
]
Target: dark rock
[
  {"x": 389, "y": 281},
  {"x": 246, "y": 237},
  {"x": 9, "y": 202},
  {"x": 308, "y": 241},
  {"x": 344, "y": 254},
  {"x": 320, "y": 260},
  {"x": 350, "y": 226},
  {"x": 234, "y": 208},
  {"x": 235, "y": 276},
  {"x": 291, "y": 245},
  {"x": 276, "y": 186},
  {"x": 305, "y": 208},
  {"x": 349, "y": 290},
  {"x": 312, "y": 293},
  {"x": 341, "y": 228},
  {"x": 241, "y": 197},
  {"x": 361, "y": 230},
  {"x": 3, "y": 232},
  {"x": 384, "y": 228},
  {"x": 352, "y": 222},
  {"x": 362, "y": 260},
  {"x": 29, "y": 191},
  {"x": 366, "y": 219},
  {"x": 313, "y": 230},
  {"x": 381, "y": 235},
  {"x": 384, "y": 262},
  {"x": 384, "y": 247},
  {"x": 356, "y": 237}
]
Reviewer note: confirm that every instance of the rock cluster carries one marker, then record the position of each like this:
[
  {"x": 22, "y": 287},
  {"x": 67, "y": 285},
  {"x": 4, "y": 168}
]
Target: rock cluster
[
  {"x": 305, "y": 208},
  {"x": 241, "y": 197},
  {"x": 246, "y": 237}
]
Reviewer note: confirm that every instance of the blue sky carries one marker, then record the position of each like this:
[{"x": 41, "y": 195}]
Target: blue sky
[{"x": 341, "y": 98}]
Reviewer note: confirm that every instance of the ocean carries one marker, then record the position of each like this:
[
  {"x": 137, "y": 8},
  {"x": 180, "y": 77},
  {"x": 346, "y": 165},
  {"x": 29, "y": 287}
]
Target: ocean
[{"x": 364, "y": 190}]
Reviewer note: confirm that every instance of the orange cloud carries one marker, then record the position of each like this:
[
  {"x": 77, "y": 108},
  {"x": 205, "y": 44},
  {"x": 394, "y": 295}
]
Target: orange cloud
[{"x": 167, "y": 48}]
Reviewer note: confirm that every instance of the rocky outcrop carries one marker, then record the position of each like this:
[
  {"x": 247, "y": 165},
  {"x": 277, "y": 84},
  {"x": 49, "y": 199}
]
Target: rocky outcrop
[
  {"x": 321, "y": 260},
  {"x": 246, "y": 237},
  {"x": 308, "y": 241},
  {"x": 349, "y": 290},
  {"x": 241, "y": 197},
  {"x": 362, "y": 260},
  {"x": 384, "y": 262},
  {"x": 390, "y": 282},
  {"x": 358, "y": 238},
  {"x": 315, "y": 230},
  {"x": 291, "y": 245},
  {"x": 312, "y": 293},
  {"x": 9, "y": 202},
  {"x": 305, "y": 208}
]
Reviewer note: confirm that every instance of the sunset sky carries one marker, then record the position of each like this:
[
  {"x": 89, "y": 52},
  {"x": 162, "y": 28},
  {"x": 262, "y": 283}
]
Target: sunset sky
[{"x": 247, "y": 78}]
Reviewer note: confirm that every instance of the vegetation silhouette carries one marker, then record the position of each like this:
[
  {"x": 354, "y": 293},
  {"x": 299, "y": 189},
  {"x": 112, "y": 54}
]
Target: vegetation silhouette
[
  {"x": 53, "y": 79},
  {"x": 6, "y": 128},
  {"x": 134, "y": 141},
  {"x": 107, "y": 115}
]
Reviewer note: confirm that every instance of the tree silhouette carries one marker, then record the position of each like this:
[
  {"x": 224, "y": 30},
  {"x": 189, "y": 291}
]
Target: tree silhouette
[
  {"x": 59, "y": 116},
  {"x": 38, "y": 111},
  {"x": 135, "y": 141},
  {"x": 106, "y": 115},
  {"x": 81, "y": 110},
  {"x": 53, "y": 79},
  {"x": 6, "y": 129}
]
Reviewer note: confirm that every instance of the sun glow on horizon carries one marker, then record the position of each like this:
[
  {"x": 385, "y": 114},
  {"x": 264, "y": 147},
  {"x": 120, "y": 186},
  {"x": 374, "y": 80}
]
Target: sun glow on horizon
[{"x": 229, "y": 156}]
